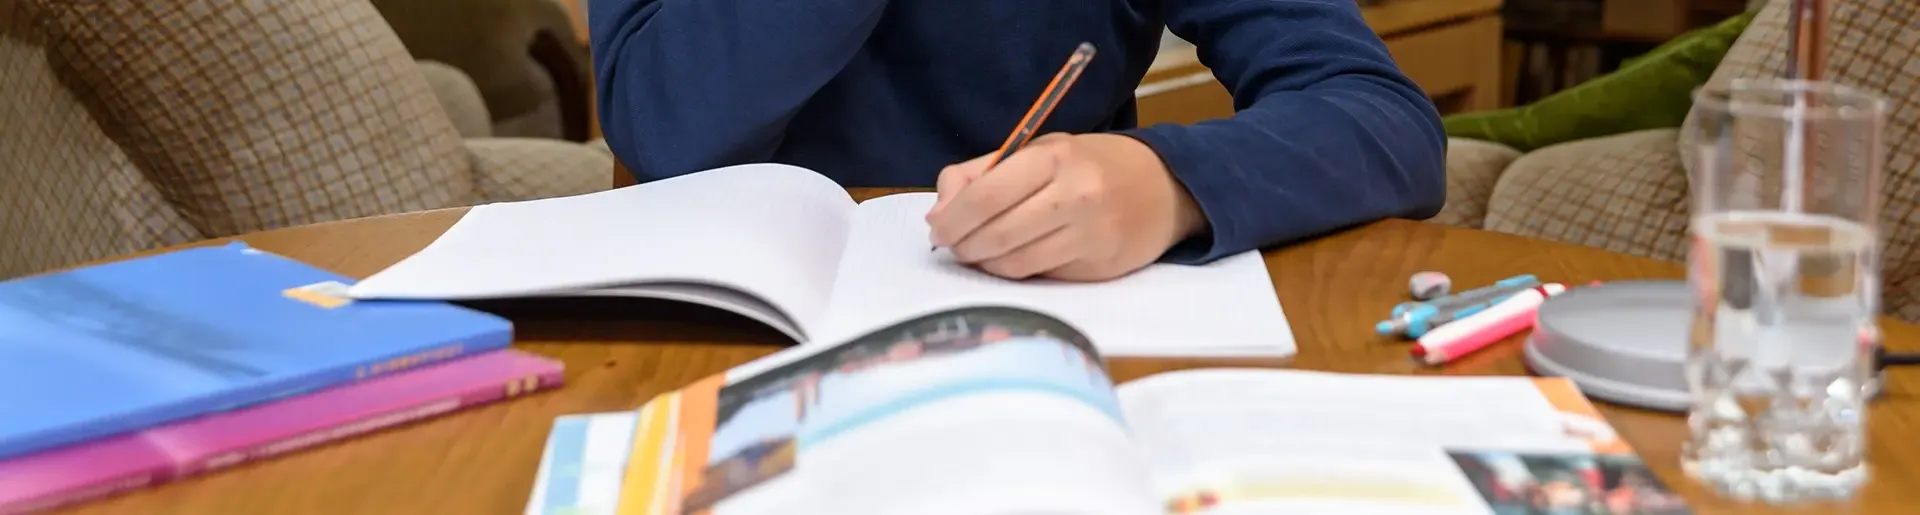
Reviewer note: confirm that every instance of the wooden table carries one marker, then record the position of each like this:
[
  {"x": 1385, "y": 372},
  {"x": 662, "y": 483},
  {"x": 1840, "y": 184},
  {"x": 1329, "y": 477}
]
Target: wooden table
[{"x": 482, "y": 461}]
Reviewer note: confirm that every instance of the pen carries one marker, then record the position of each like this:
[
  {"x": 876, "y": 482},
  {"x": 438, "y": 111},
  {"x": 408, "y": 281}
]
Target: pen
[
  {"x": 1424, "y": 318},
  {"x": 1043, "y": 106},
  {"x": 1421, "y": 326},
  {"x": 1502, "y": 286},
  {"x": 1415, "y": 318},
  {"x": 1478, "y": 331}
]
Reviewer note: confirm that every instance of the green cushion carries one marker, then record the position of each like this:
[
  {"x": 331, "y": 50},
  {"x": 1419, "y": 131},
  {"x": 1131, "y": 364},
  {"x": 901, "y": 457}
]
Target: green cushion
[{"x": 1649, "y": 92}]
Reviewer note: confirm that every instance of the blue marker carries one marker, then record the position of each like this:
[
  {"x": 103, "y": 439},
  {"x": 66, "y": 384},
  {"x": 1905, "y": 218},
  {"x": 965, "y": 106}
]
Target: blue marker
[
  {"x": 1509, "y": 283},
  {"x": 1419, "y": 327},
  {"x": 1414, "y": 319}
]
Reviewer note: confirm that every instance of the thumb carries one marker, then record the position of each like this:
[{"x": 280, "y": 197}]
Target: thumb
[{"x": 956, "y": 177}]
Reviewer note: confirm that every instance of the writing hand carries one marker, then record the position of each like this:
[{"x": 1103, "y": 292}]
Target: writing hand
[{"x": 1087, "y": 207}]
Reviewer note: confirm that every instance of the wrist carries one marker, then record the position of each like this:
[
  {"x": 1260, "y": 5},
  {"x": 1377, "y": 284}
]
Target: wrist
[{"x": 1187, "y": 219}]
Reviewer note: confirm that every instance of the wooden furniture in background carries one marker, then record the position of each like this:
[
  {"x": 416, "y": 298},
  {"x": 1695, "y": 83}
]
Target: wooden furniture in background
[
  {"x": 1547, "y": 55},
  {"x": 483, "y": 461},
  {"x": 572, "y": 85},
  {"x": 1451, "y": 48},
  {"x": 621, "y": 177},
  {"x": 579, "y": 10},
  {"x": 1178, "y": 89},
  {"x": 1661, "y": 20}
]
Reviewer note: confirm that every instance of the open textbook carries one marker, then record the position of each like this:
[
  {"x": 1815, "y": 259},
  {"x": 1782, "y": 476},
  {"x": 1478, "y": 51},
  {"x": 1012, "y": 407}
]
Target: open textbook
[
  {"x": 789, "y": 248},
  {"x": 999, "y": 411}
]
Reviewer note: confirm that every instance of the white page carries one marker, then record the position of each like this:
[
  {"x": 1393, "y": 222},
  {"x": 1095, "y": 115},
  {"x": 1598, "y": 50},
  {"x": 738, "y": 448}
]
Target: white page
[
  {"x": 990, "y": 454},
  {"x": 888, "y": 273},
  {"x": 1337, "y": 443},
  {"x": 1024, "y": 424},
  {"x": 772, "y": 231}
]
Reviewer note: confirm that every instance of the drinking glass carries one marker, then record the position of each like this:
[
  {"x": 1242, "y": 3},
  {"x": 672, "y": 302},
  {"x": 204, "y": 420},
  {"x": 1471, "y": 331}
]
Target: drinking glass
[{"x": 1784, "y": 267}]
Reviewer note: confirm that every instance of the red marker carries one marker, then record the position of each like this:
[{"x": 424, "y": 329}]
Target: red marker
[{"x": 1475, "y": 332}]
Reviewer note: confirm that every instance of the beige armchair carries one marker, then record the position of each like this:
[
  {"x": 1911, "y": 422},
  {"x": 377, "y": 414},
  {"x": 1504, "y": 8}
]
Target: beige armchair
[
  {"x": 1629, "y": 193},
  {"x": 131, "y": 125},
  {"x": 523, "y": 56}
]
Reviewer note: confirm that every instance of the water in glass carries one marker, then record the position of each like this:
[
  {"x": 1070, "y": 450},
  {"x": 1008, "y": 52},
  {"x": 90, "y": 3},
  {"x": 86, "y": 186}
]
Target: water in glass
[{"x": 1778, "y": 360}]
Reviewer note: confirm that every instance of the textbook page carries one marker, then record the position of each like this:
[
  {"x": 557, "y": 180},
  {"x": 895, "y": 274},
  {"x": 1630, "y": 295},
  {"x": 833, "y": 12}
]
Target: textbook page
[
  {"x": 982, "y": 411},
  {"x": 1284, "y": 441},
  {"x": 888, "y": 272},
  {"x": 771, "y": 231}
]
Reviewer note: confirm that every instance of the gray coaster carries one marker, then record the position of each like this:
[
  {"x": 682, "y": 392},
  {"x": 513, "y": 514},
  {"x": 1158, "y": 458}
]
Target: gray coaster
[{"x": 1622, "y": 342}]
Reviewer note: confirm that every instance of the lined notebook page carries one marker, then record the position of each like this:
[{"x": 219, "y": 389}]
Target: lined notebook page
[
  {"x": 773, "y": 231},
  {"x": 888, "y": 274}
]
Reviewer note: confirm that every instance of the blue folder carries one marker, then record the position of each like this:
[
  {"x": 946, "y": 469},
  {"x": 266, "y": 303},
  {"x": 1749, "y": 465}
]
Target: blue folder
[{"x": 101, "y": 350}]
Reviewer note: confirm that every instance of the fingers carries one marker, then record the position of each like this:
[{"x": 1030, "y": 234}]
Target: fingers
[
  {"x": 1037, "y": 216},
  {"x": 1053, "y": 250},
  {"x": 989, "y": 194},
  {"x": 955, "y": 178}
]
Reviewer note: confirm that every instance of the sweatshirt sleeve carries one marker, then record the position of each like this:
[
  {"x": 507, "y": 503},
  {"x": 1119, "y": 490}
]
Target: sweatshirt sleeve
[
  {"x": 1329, "y": 133},
  {"x": 689, "y": 85}
]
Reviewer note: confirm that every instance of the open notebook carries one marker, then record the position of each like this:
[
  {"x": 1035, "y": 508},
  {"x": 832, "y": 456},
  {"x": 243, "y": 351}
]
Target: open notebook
[
  {"x": 1004, "y": 411},
  {"x": 789, "y": 248}
]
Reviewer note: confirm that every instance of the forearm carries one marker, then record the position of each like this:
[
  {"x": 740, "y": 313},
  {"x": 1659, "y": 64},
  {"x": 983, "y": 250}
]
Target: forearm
[
  {"x": 1303, "y": 163},
  {"x": 1329, "y": 132},
  {"x": 689, "y": 85}
]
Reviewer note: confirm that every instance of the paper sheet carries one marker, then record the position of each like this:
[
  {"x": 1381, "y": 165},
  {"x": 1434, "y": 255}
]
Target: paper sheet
[
  {"x": 888, "y": 273},
  {"x": 774, "y": 231}
]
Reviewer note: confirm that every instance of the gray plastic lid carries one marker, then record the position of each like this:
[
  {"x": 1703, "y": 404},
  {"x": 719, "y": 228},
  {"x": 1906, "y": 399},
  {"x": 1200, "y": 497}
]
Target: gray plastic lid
[{"x": 1622, "y": 342}]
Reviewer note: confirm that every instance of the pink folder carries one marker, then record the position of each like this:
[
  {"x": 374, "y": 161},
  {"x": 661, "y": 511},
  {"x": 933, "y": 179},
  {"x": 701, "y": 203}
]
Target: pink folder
[{"x": 130, "y": 461}]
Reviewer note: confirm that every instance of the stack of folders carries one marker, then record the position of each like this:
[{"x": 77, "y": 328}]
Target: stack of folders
[{"x": 125, "y": 375}]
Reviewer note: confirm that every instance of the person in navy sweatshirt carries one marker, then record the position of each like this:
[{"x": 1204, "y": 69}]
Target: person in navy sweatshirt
[{"x": 1329, "y": 133}]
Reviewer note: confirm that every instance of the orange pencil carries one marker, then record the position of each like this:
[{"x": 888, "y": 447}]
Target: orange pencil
[
  {"x": 1036, "y": 115},
  {"x": 1049, "y": 98}
]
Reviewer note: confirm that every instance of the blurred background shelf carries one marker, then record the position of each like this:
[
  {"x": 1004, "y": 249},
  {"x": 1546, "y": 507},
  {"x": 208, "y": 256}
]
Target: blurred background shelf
[
  {"x": 1555, "y": 44},
  {"x": 1451, "y": 48}
]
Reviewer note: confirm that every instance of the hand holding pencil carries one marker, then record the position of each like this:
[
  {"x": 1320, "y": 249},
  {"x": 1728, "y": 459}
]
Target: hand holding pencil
[{"x": 1085, "y": 207}]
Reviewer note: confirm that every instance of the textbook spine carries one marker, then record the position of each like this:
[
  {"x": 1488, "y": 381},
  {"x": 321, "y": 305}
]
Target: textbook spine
[
  {"x": 322, "y": 428},
  {"x": 344, "y": 429},
  {"x": 491, "y": 339}
]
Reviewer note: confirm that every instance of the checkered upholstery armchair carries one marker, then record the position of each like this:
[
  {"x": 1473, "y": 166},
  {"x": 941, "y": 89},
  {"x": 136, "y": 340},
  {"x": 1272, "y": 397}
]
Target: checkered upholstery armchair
[
  {"x": 1628, "y": 193},
  {"x": 524, "y": 56},
  {"x": 128, "y": 125}
]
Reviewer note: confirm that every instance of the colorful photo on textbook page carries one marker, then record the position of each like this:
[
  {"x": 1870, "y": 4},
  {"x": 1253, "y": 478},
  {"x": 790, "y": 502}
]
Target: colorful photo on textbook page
[
  {"x": 1526, "y": 483},
  {"x": 741, "y": 440}
]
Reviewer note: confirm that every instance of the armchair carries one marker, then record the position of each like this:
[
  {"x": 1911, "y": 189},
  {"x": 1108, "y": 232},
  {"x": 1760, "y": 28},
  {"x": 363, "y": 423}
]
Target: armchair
[
  {"x": 523, "y": 56},
  {"x": 126, "y": 126}
]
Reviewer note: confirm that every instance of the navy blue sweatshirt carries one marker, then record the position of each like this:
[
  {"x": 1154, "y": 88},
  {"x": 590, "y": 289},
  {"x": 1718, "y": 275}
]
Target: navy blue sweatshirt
[{"x": 1329, "y": 133}]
